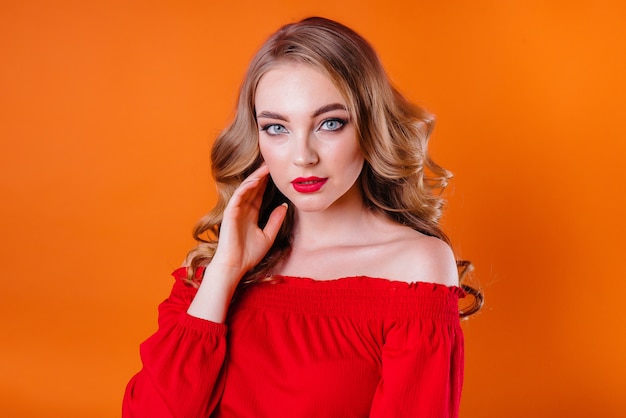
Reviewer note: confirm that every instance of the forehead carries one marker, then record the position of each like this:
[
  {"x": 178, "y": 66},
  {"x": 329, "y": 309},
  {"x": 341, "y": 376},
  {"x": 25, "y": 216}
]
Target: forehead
[{"x": 296, "y": 87}]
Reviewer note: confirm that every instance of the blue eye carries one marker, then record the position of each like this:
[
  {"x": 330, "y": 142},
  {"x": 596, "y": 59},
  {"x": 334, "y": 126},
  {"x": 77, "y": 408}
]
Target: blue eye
[
  {"x": 332, "y": 124},
  {"x": 274, "y": 129}
]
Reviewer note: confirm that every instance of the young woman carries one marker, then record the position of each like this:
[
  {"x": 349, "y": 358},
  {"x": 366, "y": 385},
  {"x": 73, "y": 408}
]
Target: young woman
[{"x": 322, "y": 285}]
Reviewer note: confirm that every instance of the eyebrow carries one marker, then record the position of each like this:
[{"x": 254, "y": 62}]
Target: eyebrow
[
  {"x": 329, "y": 108},
  {"x": 324, "y": 109},
  {"x": 271, "y": 115}
]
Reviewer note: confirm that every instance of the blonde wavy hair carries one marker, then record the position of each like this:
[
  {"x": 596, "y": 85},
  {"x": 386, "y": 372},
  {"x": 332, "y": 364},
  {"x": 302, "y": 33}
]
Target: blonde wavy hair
[{"x": 398, "y": 179}]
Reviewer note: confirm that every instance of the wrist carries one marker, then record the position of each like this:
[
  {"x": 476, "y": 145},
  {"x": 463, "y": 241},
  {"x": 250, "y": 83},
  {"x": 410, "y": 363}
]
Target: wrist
[{"x": 215, "y": 293}]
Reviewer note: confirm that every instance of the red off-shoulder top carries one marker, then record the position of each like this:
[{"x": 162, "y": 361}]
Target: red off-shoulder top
[{"x": 297, "y": 347}]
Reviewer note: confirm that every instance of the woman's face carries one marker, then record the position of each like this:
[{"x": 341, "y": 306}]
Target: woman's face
[{"x": 306, "y": 137}]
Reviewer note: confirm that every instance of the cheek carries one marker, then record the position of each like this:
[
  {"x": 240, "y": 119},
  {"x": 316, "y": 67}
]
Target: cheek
[
  {"x": 352, "y": 156},
  {"x": 266, "y": 154},
  {"x": 355, "y": 165},
  {"x": 271, "y": 156},
  {"x": 358, "y": 166}
]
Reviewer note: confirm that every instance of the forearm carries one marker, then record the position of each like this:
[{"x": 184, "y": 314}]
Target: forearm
[{"x": 215, "y": 293}]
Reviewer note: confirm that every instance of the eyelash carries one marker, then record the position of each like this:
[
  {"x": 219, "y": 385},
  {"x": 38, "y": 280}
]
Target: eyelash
[
  {"x": 266, "y": 128},
  {"x": 342, "y": 123}
]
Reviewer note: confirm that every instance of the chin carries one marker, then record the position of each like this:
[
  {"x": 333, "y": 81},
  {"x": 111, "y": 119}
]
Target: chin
[{"x": 309, "y": 207}]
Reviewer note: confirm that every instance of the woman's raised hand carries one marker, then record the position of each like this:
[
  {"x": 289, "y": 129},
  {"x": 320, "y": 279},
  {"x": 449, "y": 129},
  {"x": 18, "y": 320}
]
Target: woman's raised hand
[{"x": 242, "y": 244}]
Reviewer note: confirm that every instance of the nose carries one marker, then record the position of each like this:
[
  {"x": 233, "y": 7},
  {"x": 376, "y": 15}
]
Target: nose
[{"x": 304, "y": 154}]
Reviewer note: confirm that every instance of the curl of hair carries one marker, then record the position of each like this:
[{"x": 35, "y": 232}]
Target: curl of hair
[{"x": 398, "y": 179}]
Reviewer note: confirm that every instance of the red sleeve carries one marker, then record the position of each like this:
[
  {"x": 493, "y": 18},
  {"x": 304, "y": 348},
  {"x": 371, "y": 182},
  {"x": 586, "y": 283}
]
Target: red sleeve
[
  {"x": 182, "y": 363},
  {"x": 422, "y": 370}
]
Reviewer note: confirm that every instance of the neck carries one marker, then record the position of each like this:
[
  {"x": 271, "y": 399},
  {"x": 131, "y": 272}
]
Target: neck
[{"x": 336, "y": 225}]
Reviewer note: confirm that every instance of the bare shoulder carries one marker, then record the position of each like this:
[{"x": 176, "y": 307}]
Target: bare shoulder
[{"x": 423, "y": 258}]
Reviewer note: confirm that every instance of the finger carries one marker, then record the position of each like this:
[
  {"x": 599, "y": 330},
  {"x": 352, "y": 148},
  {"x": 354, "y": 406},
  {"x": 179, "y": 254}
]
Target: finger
[
  {"x": 249, "y": 198},
  {"x": 246, "y": 190},
  {"x": 253, "y": 180},
  {"x": 259, "y": 173},
  {"x": 275, "y": 221},
  {"x": 259, "y": 190}
]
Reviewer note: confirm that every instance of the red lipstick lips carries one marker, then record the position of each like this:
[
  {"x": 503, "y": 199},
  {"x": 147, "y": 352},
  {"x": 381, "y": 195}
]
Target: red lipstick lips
[{"x": 308, "y": 184}]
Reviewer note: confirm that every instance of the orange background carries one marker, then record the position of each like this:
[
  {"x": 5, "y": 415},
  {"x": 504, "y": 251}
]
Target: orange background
[{"x": 108, "y": 112}]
